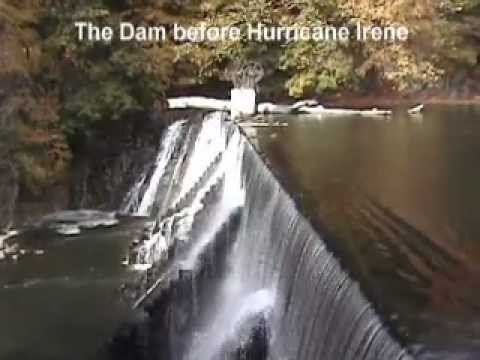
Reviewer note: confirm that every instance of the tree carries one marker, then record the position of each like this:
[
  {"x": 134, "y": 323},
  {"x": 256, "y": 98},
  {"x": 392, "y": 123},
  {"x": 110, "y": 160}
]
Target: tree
[{"x": 441, "y": 43}]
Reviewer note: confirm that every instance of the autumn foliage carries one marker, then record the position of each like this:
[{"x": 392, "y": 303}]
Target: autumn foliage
[{"x": 57, "y": 90}]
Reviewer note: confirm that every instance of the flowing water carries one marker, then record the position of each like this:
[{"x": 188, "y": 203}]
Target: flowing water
[
  {"x": 355, "y": 265},
  {"x": 238, "y": 273}
]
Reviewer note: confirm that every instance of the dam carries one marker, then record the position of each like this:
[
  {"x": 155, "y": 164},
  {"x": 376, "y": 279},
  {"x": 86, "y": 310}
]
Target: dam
[{"x": 235, "y": 271}]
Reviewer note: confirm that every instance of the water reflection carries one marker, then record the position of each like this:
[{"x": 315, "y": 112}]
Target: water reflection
[{"x": 400, "y": 198}]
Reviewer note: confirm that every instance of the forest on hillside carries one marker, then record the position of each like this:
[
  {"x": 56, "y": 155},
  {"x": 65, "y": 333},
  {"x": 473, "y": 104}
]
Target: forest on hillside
[{"x": 55, "y": 91}]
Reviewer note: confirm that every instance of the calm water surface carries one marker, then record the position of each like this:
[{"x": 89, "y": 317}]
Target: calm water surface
[
  {"x": 400, "y": 200},
  {"x": 65, "y": 304}
]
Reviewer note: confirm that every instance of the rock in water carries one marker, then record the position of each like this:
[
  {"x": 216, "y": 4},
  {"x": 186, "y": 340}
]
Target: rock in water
[
  {"x": 4, "y": 237},
  {"x": 67, "y": 230},
  {"x": 70, "y": 222}
]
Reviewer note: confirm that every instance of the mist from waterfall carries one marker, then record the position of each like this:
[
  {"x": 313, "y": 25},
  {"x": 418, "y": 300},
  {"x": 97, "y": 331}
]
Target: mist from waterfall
[{"x": 229, "y": 326}]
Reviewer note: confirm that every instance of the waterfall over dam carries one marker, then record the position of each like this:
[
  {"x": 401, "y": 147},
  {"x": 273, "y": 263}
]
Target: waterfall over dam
[{"x": 233, "y": 269}]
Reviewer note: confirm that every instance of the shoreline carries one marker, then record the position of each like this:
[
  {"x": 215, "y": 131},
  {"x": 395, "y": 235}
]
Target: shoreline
[
  {"x": 394, "y": 101},
  {"x": 382, "y": 99}
]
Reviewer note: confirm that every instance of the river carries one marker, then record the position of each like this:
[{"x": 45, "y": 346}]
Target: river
[
  {"x": 394, "y": 202},
  {"x": 400, "y": 200},
  {"x": 65, "y": 303}
]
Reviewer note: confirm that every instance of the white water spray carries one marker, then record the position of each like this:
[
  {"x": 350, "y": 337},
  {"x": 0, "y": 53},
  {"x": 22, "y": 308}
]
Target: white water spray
[
  {"x": 232, "y": 198},
  {"x": 210, "y": 142},
  {"x": 228, "y": 323},
  {"x": 162, "y": 160},
  {"x": 141, "y": 205}
]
